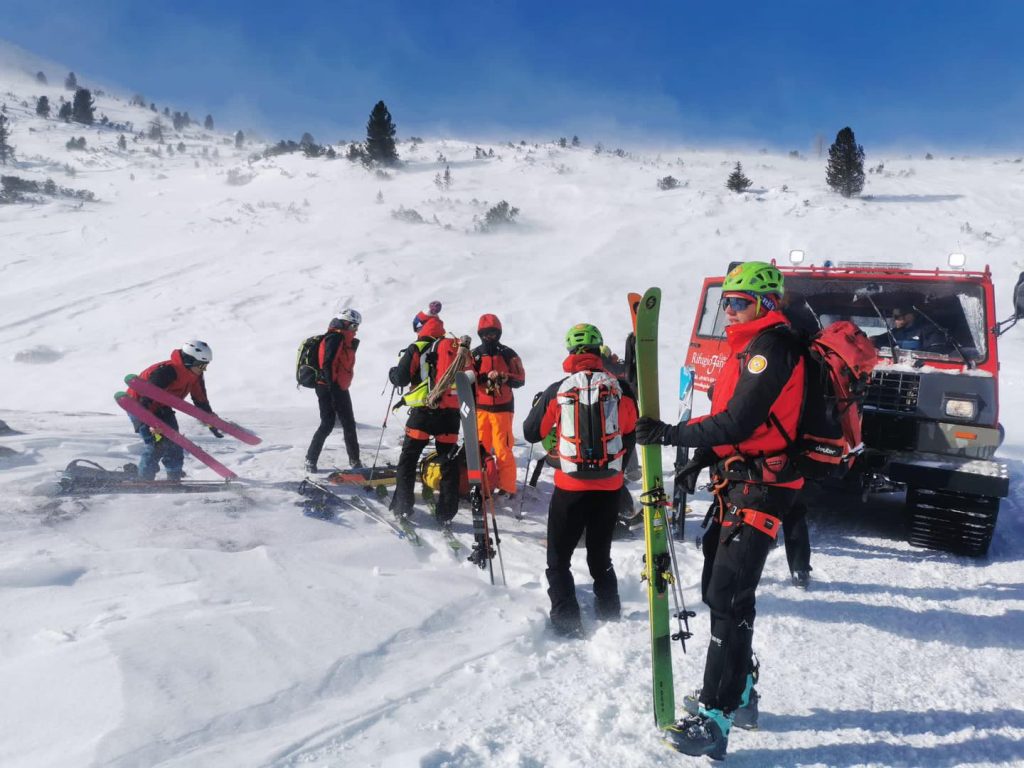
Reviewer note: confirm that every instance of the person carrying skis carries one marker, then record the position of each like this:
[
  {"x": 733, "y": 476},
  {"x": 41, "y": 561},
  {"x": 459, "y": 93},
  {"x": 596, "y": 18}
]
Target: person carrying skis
[
  {"x": 593, "y": 415},
  {"x": 498, "y": 371},
  {"x": 337, "y": 361},
  {"x": 182, "y": 375},
  {"x": 433, "y": 410},
  {"x": 758, "y": 394}
]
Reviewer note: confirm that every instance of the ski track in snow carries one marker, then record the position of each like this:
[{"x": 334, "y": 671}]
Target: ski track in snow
[{"x": 228, "y": 629}]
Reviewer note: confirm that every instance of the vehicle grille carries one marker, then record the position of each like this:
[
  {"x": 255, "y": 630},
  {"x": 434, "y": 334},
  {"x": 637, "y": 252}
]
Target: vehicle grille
[{"x": 893, "y": 391}]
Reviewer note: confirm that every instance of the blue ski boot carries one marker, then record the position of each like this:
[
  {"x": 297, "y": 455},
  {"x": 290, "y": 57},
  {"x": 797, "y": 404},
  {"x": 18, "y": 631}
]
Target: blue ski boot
[
  {"x": 745, "y": 716},
  {"x": 706, "y": 733}
]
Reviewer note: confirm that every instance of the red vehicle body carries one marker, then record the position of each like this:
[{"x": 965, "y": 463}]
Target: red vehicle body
[{"x": 931, "y": 418}]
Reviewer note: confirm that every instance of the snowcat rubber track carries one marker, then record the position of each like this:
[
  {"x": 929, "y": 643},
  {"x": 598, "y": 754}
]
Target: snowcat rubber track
[{"x": 950, "y": 521}]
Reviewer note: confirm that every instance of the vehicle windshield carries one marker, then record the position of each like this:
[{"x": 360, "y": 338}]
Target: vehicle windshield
[{"x": 925, "y": 319}]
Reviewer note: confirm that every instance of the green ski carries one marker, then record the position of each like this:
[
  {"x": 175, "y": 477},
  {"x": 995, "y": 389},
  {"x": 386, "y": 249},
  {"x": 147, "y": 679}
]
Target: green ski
[{"x": 657, "y": 560}]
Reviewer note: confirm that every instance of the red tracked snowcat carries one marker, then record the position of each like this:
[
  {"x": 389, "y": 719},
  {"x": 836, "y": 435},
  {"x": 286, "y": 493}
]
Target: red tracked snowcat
[{"x": 931, "y": 416}]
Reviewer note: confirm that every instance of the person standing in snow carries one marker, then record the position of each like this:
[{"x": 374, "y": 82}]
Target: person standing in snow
[
  {"x": 433, "y": 411},
  {"x": 498, "y": 371},
  {"x": 337, "y": 361},
  {"x": 181, "y": 375},
  {"x": 758, "y": 397},
  {"x": 588, "y": 479}
]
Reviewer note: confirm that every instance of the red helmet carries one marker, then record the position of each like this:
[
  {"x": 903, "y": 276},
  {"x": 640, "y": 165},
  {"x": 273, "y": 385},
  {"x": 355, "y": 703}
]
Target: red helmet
[{"x": 488, "y": 322}]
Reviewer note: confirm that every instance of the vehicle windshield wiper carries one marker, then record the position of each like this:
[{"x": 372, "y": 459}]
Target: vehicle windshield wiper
[
  {"x": 948, "y": 336},
  {"x": 867, "y": 292}
]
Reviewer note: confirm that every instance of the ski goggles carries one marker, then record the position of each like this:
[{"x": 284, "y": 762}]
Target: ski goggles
[{"x": 736, "y": 303}]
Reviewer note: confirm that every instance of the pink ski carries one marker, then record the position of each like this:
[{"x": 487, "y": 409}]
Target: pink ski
[
  {"x": 153, "y": 392},
  {"x": 146, "y": 416}
]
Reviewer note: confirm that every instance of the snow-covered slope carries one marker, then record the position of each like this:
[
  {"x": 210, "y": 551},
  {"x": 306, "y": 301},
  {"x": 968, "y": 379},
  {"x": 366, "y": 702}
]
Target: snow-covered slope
[{"x": 228, "y": 629}]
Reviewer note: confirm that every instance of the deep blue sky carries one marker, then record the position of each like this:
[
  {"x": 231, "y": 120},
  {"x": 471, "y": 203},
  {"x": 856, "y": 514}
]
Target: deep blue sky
[{"x": 941, "y": 74}]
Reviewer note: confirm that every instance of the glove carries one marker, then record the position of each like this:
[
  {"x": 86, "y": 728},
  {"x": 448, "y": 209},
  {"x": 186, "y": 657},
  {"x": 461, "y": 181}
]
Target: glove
[
  {"x": 652, "y": 432},
  {"x": 687, "y": 474},
  {"x": 355, "y": 344},
  {"x": 216, "y": 432}
]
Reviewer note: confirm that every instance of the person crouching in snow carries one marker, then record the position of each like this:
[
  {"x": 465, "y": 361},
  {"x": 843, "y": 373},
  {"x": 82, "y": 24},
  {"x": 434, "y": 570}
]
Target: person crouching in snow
[{"x": 182, "y": 376}]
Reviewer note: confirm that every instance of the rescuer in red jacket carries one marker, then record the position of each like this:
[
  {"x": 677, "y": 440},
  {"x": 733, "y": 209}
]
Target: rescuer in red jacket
[
  {"x": 593, "y": 415},
  {"x": 182, "y": 376},
  {"x": 759, "y": 393},
  {"x": 498, "y": 372},
  {"x": 337, "y": 360}
]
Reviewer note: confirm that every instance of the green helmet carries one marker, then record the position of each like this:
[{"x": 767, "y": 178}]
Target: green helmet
[
  {"x": 756, "y": 277},
  {"x": 583, "y": 335}
]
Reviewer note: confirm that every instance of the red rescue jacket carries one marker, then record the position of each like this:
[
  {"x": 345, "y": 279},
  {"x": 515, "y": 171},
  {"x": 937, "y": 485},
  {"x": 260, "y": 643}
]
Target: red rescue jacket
[
  {"x": 497, "y": 397},
  {"x": 762, "y": 378},
  {"x": 173, "y": 376},
  {"x": 337, "y": 356}
]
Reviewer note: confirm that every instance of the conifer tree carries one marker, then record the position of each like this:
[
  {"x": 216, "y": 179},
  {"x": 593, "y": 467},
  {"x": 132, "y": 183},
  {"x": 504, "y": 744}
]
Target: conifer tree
[
  {"x": 64, "y": 113},
  {"x": 43, "y": 107},
  {"x": 83, "y": 109},
  {"x": 122, "y": 143},
  {"x": 737, "y": 181},
  {"x": 845, "y": 171},
  {"x": 41, "y": 77},
  {"x": 208, "y": 123},
  {"x": 380, "y": 136},
  {"x": 239, "y": 139},
  {"x": 71, "y": 82},
  {"x": 6, "y": 150}
]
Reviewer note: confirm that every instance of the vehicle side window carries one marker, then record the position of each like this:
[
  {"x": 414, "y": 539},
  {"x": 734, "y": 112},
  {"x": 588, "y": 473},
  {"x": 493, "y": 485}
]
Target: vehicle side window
[{"x": 712, "y": 318}]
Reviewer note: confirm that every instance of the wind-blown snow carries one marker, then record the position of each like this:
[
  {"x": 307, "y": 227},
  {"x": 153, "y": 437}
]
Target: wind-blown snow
[{"x": 228, "y": 629}]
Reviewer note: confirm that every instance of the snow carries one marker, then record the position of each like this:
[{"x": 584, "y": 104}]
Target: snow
[{"x": 228, "y": 629}]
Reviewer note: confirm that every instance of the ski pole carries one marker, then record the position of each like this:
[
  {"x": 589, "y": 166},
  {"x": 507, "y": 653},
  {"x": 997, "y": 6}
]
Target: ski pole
[
  {"x": 383, "y": 427},
  {"x": 497, "y": 538},
  {"x": 526, "y": 475}
]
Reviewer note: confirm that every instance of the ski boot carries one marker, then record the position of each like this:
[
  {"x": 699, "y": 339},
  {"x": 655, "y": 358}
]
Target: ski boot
[
  {"x": 744, "y": 716},
  {"x": 801, "y": 579},
  {"x": 311, "y": 467},
  {"x": 481, "y": 554},
  {"x": 706, "y": 733}
]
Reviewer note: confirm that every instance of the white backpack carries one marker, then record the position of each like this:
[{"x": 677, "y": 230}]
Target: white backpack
[{"x": 589, "y": 440}]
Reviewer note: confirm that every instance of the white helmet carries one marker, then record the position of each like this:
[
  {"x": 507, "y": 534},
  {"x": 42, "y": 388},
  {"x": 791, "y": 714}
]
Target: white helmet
[
  {"x": 199, "y": 350},
  {"x": 350, "y": 316}
]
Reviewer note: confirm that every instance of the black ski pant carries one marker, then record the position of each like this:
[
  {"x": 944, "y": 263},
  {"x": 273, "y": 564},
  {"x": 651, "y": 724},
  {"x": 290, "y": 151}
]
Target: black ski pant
[
  {"x": 797, "y": 537},
  {"x": 442, "y": 424},
  {"x": 335, "y": 405},
  {"x": 734, "y": 556},
  {"x": 570, "y": 515}
]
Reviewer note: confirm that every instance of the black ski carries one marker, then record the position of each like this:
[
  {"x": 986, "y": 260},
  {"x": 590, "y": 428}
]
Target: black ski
[{"x": 484, "y": 546}]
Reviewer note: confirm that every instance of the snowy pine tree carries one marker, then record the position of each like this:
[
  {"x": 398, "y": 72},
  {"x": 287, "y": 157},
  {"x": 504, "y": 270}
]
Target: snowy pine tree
[
  {"x": 380, "y": 136},
  {"x": 239, "y": 139},
  {"x": 737, "y": 181},
  {"x": 845, "y": 172},
  {"x": 71, "y": 82},
  {"x": 208, "y": 123},
  {"x": 6, "y": 150},
  {"x": 83, "y": 110},
  {"x": 43, "y": 107}
]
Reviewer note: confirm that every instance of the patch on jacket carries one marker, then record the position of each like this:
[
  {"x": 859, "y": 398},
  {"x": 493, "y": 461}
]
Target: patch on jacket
[{"x": 757, "y": 364}]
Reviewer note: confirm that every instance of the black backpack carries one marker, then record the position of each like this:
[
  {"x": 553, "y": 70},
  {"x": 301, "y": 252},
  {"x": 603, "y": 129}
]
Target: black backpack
[{"x": 307, "y": 362}]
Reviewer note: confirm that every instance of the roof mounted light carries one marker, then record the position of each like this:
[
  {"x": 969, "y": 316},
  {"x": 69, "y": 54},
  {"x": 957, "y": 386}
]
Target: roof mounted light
[
  {"x": 796, "y": 257},
  {"x": 957, "y": 260}
]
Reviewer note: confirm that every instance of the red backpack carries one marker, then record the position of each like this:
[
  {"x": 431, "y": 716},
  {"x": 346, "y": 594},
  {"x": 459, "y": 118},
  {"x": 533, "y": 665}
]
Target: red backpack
[{"x": 838, "y": 361}]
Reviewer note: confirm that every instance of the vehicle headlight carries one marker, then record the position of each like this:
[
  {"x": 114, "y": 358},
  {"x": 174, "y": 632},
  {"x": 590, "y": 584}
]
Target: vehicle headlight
[{"x": 961, "y": 409}]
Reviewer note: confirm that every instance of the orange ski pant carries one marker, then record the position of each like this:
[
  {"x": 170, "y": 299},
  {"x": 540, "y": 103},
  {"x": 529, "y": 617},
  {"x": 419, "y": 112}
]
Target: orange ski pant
[{"x": 495, "y": 430}]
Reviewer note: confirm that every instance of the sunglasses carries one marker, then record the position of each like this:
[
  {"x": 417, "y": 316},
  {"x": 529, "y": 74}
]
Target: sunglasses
[{"x": 736, "y": 303}]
